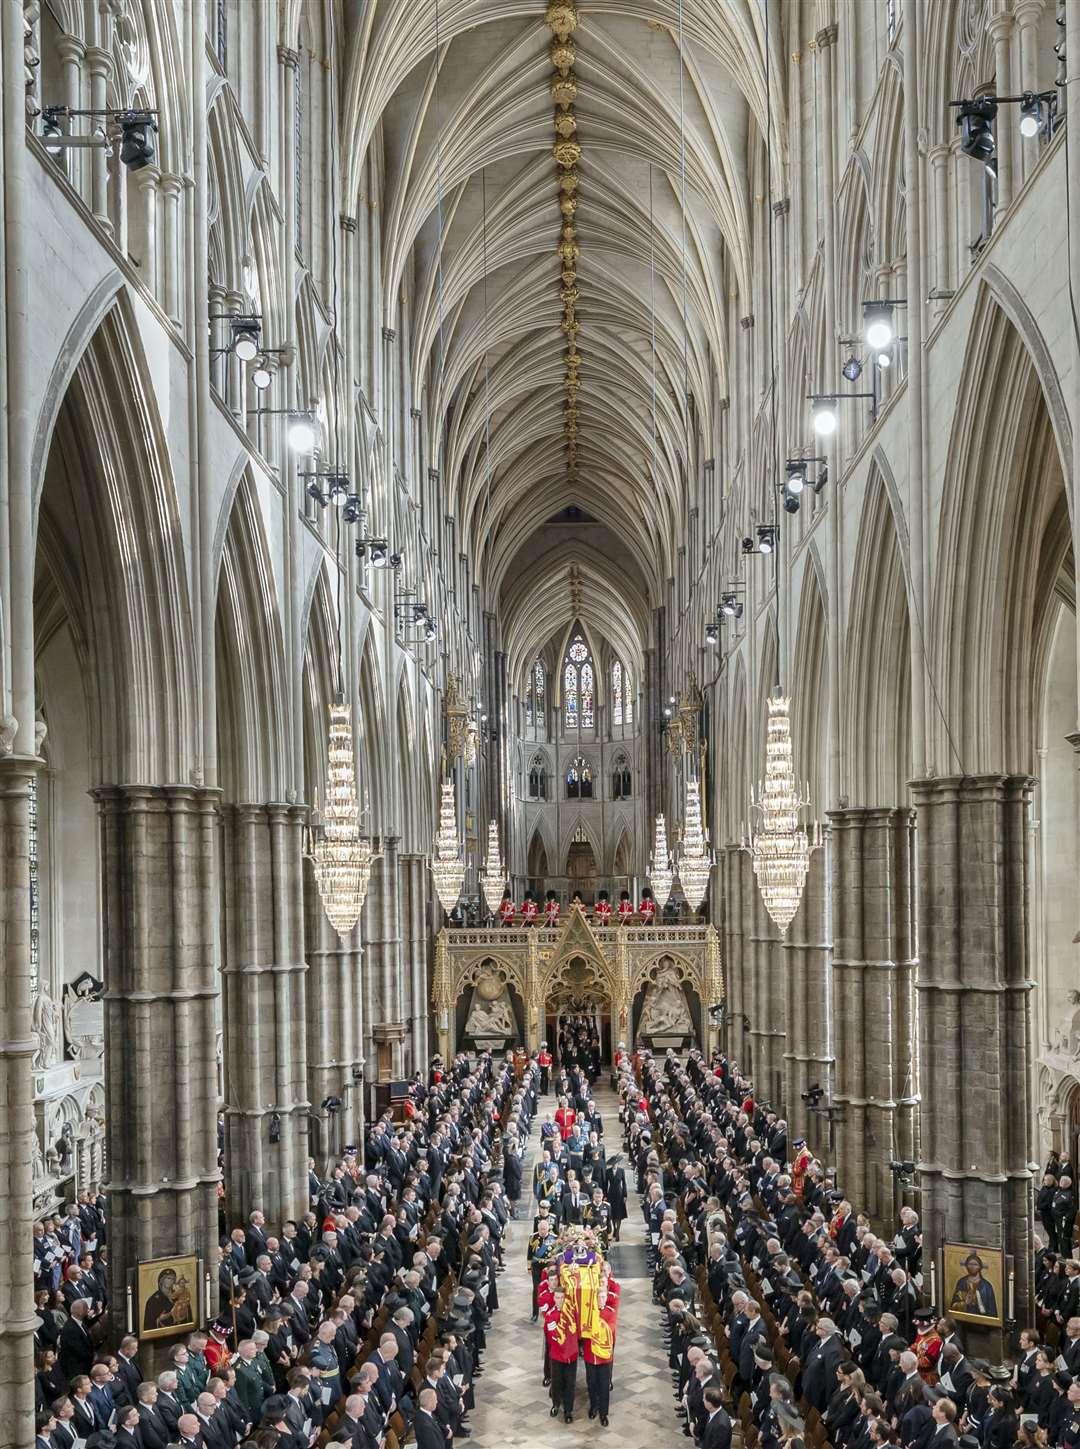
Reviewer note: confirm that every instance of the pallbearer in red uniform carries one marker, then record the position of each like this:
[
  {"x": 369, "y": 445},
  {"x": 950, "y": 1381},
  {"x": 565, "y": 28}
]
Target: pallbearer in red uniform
[
  {"x": 543, "y": 1061},
  {"x": 560, "y": 1335},
  {"x": 507, "y": 911},
  {"x": 626, "y": 908},
  {"x": 599, "y": 1353},
  {"x": 602, "y": 911},
  {"x": 647, "y": 909},
  {"x": 529, "y": 909},
  {"x": 928, "y": 1343},
  {"x": 552, "y": 908}
]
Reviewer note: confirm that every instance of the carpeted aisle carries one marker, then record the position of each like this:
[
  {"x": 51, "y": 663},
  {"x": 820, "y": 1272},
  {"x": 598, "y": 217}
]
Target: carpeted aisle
[{"x": 512, "y": 1404}]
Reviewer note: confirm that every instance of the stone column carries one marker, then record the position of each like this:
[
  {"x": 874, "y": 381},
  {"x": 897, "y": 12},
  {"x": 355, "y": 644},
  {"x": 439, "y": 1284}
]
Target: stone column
[
  {"x": 159, "y": 915},
  {"x": 738, "y": 882},
  {"x": 873, "y": 1005},
  {"x": 766, "y": 1010},
  {"x": 1000, "y": 28},
  {"x": 416, "y": 971},
  {"x": 382, "y": 994},
  {"x": 99, "y": 69},
  {"x": 974, "y": 990},
  {"x": 263, "y": 980},
  {"x": 17, "y": 1118},
  {"x": 335, "y": 1017},
  {"x": 807, "y": 969},
  {"x": 171, "y": 187}
]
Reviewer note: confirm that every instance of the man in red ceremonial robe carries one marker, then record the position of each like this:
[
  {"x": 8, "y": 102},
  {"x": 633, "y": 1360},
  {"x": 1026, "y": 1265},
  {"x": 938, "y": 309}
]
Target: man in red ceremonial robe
[
  {"x": 603, "y": 909},
  {"x": 647, "y": 909},
  {"x": 543, "y": 1061},
  {"x": 800, "y": 1167},
  {"x": 626, "y": 908},
  {"x": 560, "y": 1335},
  {"x": 506, "y": 909},
  {"x": 565, "y": 1117}
]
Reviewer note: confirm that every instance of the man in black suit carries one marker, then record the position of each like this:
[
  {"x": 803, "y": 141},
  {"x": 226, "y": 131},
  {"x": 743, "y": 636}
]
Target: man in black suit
[
  {"x": 573, "y": 1202},
  {"x": 76, "y": 1345},
  {"x": 168, "y": 1402},
  {"x": 717, "y": 1433},
  {"x": 819, "y": 1370},
  {"x": 153, "y": 1432},
  {"x": 352, "y": 1430},
  {"x": 430, "y": 1434},
  {"x": 128, "y": 1372},
  {"x": 65, "y": 1430},
  {"x": 83, "y": 1419}
]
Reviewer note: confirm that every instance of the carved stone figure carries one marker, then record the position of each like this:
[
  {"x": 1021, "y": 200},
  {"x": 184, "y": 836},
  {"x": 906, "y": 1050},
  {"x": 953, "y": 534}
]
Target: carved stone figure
[
  {"x": 84, "y": 1019},
  {"x": 48, "y": 1031},
  {"x": 491, "y": 1013},
  {"x": 665, "y": 1012}
]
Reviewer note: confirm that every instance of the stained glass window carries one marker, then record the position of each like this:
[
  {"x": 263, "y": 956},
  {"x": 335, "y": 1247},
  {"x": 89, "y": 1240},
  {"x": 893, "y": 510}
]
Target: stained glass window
[
  {"x": 579, "y": 780},
  {"x": 616, "y": 693},
  {"x": 35, "y": 891},
  {"x": 579, "y": 692}
]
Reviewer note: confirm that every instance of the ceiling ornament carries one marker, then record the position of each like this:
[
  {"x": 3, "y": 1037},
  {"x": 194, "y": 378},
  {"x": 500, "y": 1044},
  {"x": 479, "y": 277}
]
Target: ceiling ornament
[
  {"x": 456, "y": 713},
  {"x": 448, "y": 865},
  {"x": 563, "y": 55},
  {"x": 661, "y": 877},
  {"x": 564, "y": 91},
  {"x": 568, "y": 182},
  {"x": 567, "y": 153},
  {"x": 565, "y": 123},
  {"x": 562, "y": 19},
  {"x": 781, "y": 845},
  {"x": 695, "y": 858},
  {"x": 493, "y": 876},
  {"x": 568, "y": 205}
]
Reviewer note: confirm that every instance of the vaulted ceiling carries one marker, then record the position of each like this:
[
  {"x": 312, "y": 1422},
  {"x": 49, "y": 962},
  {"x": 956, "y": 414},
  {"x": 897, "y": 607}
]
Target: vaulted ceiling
[{"x": 476, "y": 208}]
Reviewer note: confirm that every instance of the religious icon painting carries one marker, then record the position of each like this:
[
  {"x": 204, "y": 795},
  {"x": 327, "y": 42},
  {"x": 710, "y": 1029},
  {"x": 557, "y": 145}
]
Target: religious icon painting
[
  {"x": 166, "y": 1297},
  {"x": 973, "y": 1282}
]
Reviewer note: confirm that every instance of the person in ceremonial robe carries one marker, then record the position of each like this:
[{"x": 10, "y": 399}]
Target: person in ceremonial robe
[
  {"x": 529, "y": 909},
  {"x": 507, "y": 911},
  {"x": 552, "y": 909},
  {"x": 603, "y": 909},
  {"x": 647, "y": 908},
  {"x": 626, "y": 908}
]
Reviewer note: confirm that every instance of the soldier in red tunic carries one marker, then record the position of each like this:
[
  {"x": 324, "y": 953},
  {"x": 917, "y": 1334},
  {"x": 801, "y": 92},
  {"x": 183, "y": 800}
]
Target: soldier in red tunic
[
  {"x": 552, "y": 909},
  {"x": 800, "y": 1167},
  {"x": 529, "y": 909},
  {"x": 603, "y": 909},
  {"x": 598, "y": 1360},
  {"x": 626, "y": 908},
  {"x": 647, "y": 909},
  {"x": 506, "y": 909},
  {"x": 561, "y": 1338}
]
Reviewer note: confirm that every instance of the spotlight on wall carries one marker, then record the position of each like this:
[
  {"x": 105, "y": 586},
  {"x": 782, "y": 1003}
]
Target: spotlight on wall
[
  {"x": 301, "y": 433},
  {"x": 731, "y": 605},
  {"x": 791, "y": 501},
  {"x": 884, "y": 360},
  {"x": 260, "y": 376},
  {"x": 824, "y": 415},
  {"x": 1031, "y": 117},
  {"x": 245, "y": 337},
  {"x": 878, "y": 324},
  {"x": 52, "y": 132},
  {"x": 712, "y": 634},
  {"x": 852, "y": 368},
  {"x": 137, "y": 130},
  {"x": 798, "y": 476},
  {"x": 352, "y": 512},
  {"x": 374, "y": 549},
  {"x": 766, "y": 537},
  {"x": 976, "y": 122}
]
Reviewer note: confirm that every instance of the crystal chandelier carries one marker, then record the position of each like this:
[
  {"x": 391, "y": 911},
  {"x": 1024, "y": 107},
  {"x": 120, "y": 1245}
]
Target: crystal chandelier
[
  {"x": 448, "y": 867},
  {"x": 341, "y": 856},
  {"x": 660, "y": 872},
  {"x": 493, "y": 876},
  {"x": 695, "y": 859},
  {"x": 781, "y": 847}
]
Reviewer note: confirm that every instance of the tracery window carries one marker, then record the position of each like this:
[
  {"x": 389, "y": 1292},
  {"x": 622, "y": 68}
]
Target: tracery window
[
  {"x": 534, "y": 696},
  {"x": 621, "y": 780},
  {"x": 579, "y": 696},
  {"x": 579, "y": 781},
  {"x": 537, "y": 779}
]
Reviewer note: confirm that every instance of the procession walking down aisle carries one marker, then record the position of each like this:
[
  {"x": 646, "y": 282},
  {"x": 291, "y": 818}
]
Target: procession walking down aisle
[{"x": 514, "y": 1409}]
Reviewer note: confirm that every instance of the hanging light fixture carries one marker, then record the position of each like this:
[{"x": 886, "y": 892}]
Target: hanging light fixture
[
  {"x": 341, "y": 856},
  {"x": 448, "y": 866},
  {"x": 695, "y": 858},
  {"x": 493, "y": 876},
  {"x": 661, "y": 876},
  {"x": 781, "y": 846}
]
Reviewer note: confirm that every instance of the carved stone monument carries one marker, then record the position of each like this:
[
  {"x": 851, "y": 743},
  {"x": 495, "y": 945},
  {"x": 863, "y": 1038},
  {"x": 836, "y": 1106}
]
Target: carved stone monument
[
  {"x": 491, "y": 1022},
  {"x": 665, "y": 1013}
]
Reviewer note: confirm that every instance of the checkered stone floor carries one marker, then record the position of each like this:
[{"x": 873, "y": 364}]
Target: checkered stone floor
[{"x": 511, "y": 1402}]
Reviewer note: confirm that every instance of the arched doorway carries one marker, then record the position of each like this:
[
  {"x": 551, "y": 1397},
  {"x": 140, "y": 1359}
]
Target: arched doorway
[
  {"x": 579, "y": 991},
  {"x": 537, "y": 864},
  {"x": 581, "y": 869}
]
